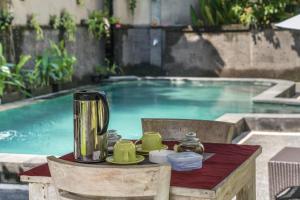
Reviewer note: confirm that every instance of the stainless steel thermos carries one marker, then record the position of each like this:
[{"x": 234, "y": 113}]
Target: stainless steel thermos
[{"x": 91, "y": 118}]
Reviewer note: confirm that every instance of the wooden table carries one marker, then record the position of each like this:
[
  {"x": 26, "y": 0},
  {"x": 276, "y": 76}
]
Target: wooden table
[{"x": 230, "y": 172}]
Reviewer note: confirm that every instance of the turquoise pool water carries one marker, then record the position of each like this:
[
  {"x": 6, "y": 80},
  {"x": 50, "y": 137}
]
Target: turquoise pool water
[{"x": 47, "y": 127}]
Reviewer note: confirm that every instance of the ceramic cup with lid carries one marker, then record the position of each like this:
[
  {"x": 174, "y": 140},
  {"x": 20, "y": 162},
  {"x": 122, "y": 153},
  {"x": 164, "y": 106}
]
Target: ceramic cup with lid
[
  {"x": 124, "y": 152},
  {"x": 151, "y": 141}
]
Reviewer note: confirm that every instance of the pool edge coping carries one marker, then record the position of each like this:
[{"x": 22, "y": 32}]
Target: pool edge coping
[
  {"x": 280, "y": 91},
  {"x": 41, "y": 98},
  {"x": 272, "y": 95}
]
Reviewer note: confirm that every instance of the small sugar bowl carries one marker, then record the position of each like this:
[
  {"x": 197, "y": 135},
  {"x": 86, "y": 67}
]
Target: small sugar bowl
[
  {"x": 112, "y": 139},
  {"x": 190, "y": 144}
]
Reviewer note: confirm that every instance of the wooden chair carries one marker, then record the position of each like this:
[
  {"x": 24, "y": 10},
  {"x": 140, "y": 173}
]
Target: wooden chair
[
  {"x": 89, "y": 181},
  {"x": 207, "y": 131}
]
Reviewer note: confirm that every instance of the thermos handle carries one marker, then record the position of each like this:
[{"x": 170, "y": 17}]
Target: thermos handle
[
  {"x": 106, "y": 107},
  {"x": 139, "y": 140}
]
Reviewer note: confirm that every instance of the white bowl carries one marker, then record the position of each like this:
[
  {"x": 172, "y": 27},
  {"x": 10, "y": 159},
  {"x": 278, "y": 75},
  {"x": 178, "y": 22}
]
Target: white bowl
[{"x": 160, "y": 156}]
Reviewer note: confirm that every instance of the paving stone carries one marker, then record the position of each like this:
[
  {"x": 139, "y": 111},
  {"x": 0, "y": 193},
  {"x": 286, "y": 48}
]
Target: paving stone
[
  {"x": 272, "y": 143},
  {"x": 13, "y": 192}
]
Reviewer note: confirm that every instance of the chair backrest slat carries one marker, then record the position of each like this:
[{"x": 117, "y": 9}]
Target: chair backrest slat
[
  {"x": 207, "y": 131},
  {"x": 110, "y": 181}
]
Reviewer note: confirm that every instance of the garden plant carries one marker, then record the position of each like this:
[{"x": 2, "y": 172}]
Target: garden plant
[{"x": 259, "y": 13}]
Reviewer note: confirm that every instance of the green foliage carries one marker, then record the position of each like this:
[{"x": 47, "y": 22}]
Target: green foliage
[
  {"x": 18, "y": 75},
  {"x": 214, "y": 13},
  {"x": 54, "y": 21},
  {"x": 248, "y": 12},
  {"x": 55, "y": 65},
  {"x": 99, "y": 23},
  {"x": 2, "y": 57},
  {"x": 132, "y": 6},
  {"x": 11, "y": 75},
  {"x": 263, "y": 12},
  {"x": 106, "y": 5},
  {"x": 80, "y": 2},
  {"x": 33, "y": 23},
  {"x": 65, "y": 23},
  {"x": 6, "y": 19},
  {"x": 293, "y": 6},
  {"x": 3, "y": 71},
  {"x": 68, "y": 24},
  {"x": 109, "y": 69}
]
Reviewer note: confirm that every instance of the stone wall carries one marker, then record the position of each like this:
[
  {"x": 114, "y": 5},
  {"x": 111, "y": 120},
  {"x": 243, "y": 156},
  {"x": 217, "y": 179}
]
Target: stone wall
[{"x": 268, "y": 53}]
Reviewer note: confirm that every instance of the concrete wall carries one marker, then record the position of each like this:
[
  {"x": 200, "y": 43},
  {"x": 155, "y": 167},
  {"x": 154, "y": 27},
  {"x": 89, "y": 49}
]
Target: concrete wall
[
  {"x": 142, "y": 15},
  {"x": 137, "y": 52},
  {"x": 269, "y": 53},
  {"x": 177, "y": 12},
  {"x": 252, "y": 54},
  {"x": 44, "y": 8}
]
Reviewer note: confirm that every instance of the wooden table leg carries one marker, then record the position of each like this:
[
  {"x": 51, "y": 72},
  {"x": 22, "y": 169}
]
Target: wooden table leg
[
  {"x": 42, "y": 191},
  {"x": 248, "y": 192}
]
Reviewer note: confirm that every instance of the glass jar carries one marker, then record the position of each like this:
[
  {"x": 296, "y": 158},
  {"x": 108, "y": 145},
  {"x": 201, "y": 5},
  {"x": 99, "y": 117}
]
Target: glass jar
[{"x": 190, "y": 144}]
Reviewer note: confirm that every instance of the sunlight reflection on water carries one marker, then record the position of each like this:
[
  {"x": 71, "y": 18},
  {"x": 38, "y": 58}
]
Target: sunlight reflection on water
[{"x": 8, "y": 135}]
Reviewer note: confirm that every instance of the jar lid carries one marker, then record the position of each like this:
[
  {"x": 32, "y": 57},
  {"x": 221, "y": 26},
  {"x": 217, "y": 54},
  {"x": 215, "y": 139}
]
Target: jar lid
[
  {"x": 88, "y": 95},
  {"x": 113, "y": 135},
  {"x": 191, "y": 135},
  {"x": 191, "y": 138},
  {"x": 191, "y": 142}
]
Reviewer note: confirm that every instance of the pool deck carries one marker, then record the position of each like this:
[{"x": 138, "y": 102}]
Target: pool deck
[{"x": 272, "y": 143}]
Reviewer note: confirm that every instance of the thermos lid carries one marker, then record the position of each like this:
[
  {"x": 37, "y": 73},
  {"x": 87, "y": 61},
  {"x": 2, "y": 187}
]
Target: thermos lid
[{"x": 88, "y": 95}]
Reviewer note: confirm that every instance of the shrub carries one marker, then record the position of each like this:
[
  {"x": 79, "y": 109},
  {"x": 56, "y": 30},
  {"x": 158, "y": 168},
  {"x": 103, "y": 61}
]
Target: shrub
[
  {"x": 33, "y": 23},
  {"x": 65, "y": 23},
  {"x": 109, "y": 69},
  {"x": 6, "y": 19},
  {"x": 99, "y": 23},
  {"x": 248, "y": 12},
  {"x": 54, "y": 66},
  {"x": 214, "y": 13},
  {"x": 11, "y": 75}
]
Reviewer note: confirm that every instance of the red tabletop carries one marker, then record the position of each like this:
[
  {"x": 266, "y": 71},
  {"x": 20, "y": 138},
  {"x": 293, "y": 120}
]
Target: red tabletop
[{"x": 226, "y": 159}]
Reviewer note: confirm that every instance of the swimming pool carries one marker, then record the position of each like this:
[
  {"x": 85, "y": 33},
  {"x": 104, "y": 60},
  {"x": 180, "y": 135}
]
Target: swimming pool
[{"x": 47, "y": 127}]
